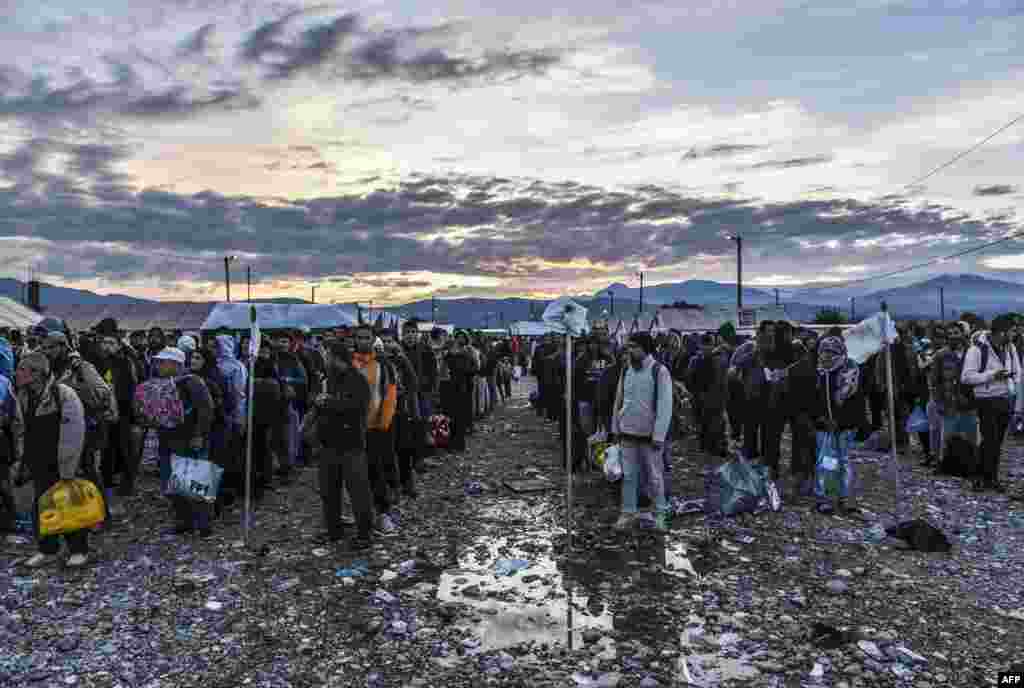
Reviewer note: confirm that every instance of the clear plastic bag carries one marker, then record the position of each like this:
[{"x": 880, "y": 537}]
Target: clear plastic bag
[{"x": 613, "y": 463}]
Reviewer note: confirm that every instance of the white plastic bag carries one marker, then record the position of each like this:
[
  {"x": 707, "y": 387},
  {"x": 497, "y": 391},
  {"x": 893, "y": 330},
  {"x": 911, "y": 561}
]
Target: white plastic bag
[{"x": 613, "y": 463}]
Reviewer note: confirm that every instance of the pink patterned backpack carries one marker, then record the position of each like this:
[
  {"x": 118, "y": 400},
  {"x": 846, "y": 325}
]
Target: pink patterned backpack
[{"x": 158, "y": 403}]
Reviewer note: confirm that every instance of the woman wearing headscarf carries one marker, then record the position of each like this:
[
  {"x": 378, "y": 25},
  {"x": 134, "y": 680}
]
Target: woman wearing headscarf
[{"x": 841, "y": 411}]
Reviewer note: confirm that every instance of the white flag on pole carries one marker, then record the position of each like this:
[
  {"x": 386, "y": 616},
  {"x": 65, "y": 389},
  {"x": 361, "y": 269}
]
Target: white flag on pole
[
  {"x": 869, "y": 336},
  {"x": 565, "y": 316}
]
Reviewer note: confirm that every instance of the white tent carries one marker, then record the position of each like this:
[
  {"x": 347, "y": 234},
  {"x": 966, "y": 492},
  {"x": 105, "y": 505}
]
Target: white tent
[
  {"x": 528, "y": 328},
  {"x": 273, "y": 316},
  {"x": 17, "y": 316}
]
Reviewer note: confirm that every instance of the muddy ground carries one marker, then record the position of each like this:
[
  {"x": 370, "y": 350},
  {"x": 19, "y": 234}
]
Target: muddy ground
[{"x": 792, "y": 598}]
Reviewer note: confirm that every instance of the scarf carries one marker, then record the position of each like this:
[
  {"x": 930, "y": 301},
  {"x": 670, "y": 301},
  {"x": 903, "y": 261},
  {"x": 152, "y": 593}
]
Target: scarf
[{"x": 842, "y": 377}]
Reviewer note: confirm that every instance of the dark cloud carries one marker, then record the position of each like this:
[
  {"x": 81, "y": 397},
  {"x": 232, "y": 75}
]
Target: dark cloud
[
  {"x": 995, "y": 190},
  {"x": 457, "y": 224},
  {"x": 390, "y": 283},
  {"x": 792, "y": 163}
]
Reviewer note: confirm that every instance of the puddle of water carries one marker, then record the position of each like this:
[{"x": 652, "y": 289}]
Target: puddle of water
[
  {"x": 512, "y": 611},
  {"x": 558, "y": 597}
]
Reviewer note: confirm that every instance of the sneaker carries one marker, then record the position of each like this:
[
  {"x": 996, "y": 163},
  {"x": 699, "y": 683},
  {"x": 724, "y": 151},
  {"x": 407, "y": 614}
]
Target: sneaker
[
  {"x": 625, "y": 522},
  {"x": 77, "y": 560},
  {"x": 40, "y": 560},
  {"x": 347, "y": 520},
  {"x": 385, "y": 525}
]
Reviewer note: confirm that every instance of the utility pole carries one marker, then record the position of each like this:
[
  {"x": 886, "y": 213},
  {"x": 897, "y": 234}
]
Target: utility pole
[
  {"x": 641, "y": 292},
  {"x": 853, "y": 309},
  {"x": 942, "y": 304},
  {"x": 248, "y": 282},
  {"x": 433, "y": 308},
  {"x": 611, "y": 297},
  {"x": 739, "y": 278},
  {"x": 227, "y": 275},
  {"x": 313, "y": 295},
  {"x": 776, "y": 297}
]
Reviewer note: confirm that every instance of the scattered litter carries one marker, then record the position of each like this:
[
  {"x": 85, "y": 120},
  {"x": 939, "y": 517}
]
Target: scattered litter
[
  {"x": 356, "y": 570},
  {"x": 508, "y": 567},
  {"x": 214, "y": 605},
  {"x": 920, "y": 535}
]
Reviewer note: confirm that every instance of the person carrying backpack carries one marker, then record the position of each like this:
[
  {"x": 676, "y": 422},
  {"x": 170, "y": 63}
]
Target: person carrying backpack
[
  {"x": 11, "y": 434},
  {"x": 640, "y": 422},
  {"x": 992, "y": 370},
  {"x": 188, "y": 438}
]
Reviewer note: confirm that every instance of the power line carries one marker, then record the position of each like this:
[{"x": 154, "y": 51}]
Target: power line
[
  {"x": 963, "y": 154},
  {"x": 908, "y": 268}
]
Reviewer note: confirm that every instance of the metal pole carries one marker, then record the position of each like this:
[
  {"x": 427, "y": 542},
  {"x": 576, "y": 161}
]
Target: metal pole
[
  {"x": 227, "y": 277},
  {"x": 739, "y": 279},
  {"x": 568, "y": 437},
  {"x": 853, "y": 308},
  {"x": 433, "y": 309},
  {"x": 611, "y": 296},
  {"x": 248, "y": 281},
  {"x": 893, "y": 459},
  {"x": 641, "y": 292},
  {"x": 248, "y": 431},
  {"x": 942, "y": 304},
  {"x": 313, "y": 295}
]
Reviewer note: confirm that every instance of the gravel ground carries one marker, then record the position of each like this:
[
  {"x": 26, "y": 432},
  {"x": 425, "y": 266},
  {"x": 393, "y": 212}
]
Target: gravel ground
[{"x": 773, "y": 599}]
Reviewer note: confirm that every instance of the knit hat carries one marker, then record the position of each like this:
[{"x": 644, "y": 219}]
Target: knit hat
[
  {"x": 57, "y": 338},
  {"x": 187, "y": 344}
]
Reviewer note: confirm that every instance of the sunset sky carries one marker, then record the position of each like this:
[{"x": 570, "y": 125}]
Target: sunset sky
[{"x": 391, "y": 150}]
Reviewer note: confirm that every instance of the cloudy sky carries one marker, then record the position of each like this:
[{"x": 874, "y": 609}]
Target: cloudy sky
[{"x": 390, "y": 150}]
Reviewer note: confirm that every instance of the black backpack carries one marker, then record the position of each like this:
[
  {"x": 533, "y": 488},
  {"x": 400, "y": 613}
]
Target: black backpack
[{"x": 967, "y": 391}]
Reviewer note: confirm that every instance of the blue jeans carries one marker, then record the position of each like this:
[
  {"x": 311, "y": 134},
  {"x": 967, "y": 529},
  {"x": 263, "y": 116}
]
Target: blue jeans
[
  {"x": 641, "y": 459},
  {"x": 426, "y": 405}
]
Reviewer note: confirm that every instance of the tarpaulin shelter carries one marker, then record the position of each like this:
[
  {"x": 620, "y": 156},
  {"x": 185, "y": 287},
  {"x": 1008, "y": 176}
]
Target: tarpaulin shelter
[
  {"x": 529, "y": 328},
  {"x": 274, "y": 316},
  {"x": 168, "y": 315},
  {"x": 17, "y": 316}
]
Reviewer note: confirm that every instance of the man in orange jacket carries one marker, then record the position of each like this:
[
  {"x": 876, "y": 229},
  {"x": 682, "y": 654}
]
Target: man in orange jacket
[{"x": 380, "y": 440}]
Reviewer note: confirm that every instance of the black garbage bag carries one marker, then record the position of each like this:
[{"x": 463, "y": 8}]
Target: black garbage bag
[{"x": 920, "y": 535}]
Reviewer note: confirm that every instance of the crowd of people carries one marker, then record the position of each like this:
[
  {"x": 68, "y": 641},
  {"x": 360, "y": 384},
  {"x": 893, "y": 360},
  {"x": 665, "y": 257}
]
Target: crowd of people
[
  {"x": 954, "y": 388},
  {"x": 365, "y": 404}
]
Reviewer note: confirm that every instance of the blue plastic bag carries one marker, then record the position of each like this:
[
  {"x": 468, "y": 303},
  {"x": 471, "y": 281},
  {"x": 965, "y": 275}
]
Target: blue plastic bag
[
  {"x": 195, "y": 478},
  {"x": 736, "y": 487},
  {"x": 833, "y": 474},
  {"x": 918, "y": 420}
]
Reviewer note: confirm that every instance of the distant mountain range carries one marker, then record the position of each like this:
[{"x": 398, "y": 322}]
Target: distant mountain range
[{"x": 965, "y": 292}]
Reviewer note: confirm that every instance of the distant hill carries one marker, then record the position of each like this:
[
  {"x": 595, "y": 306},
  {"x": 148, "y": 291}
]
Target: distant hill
[
  {"x": 691, "y": 291},
  {"x": 63, "y": 296},
  {"x": 967, "y": 292}
]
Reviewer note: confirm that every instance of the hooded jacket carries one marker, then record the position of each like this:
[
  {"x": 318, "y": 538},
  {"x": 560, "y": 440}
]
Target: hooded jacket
[
  {"x": 7, "y": 362},
  {"x": 635, "y": 414},
  {"x": 235, "y": 380},
  {"x": 10, "y": 410},
  {"x": 57, "y": 406},
  {"x": 82, "y": 377},
  {"x": 983, "y": 381}
]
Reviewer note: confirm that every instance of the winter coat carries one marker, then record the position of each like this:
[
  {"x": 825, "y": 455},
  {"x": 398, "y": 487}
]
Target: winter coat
[
  {"x": 198, "y": 405},
  {"x": 983, "y": 381},
  {"x": 293, "y": 374},
  {"x": 118, "y": 372},
  {"x": 92, "y": 390},
  {"x": 635, "y": 413},
  {"x": 424, "y": 362},
  {"x": 342, "y": 419},
  {"x": 850, "y": 413},
  {"x": 235, "y": 381},
  {"x": 12, "y": 425},
  {"x": 58, "y": 408},
  {"x": 7, "y": 359}
]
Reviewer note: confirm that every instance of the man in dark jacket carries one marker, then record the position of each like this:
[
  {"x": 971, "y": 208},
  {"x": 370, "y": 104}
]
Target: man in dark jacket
[
  {"x": 341, "y": 418},
  {"x": 118, "y": 371},
  {"x": 424, "y": 363},
  {"x": 707, "y": 381}
]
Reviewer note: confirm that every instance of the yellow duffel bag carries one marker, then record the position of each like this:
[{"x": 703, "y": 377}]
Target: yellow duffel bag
[{"x": 69, "y": 506}]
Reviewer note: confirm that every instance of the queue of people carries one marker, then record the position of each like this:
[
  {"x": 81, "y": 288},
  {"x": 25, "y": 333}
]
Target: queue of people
[
  {"x": 955, "y": 391},
  {"x": 360, "y": 402}
]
